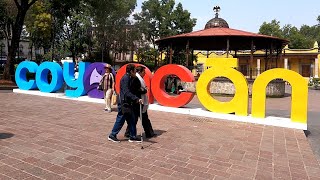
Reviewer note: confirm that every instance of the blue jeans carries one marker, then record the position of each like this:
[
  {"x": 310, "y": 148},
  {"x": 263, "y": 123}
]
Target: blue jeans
[{"x": 121, "y": 118}]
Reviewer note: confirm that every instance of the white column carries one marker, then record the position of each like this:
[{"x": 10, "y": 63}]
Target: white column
[
  {"x": 286, "y": 63},
  {"x": 258, "y": 67},
  {"x": 316, "y": 68}
]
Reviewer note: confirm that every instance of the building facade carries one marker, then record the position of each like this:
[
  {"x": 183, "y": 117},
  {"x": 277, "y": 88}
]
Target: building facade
[{"x": 303, "y": 61}]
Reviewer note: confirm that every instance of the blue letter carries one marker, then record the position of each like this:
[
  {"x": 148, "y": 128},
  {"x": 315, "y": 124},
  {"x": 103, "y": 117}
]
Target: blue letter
[
  {"x": 68, "y": 75},
  {"x": 21, "y": 75},
  {"x": 42, "y": 77}
]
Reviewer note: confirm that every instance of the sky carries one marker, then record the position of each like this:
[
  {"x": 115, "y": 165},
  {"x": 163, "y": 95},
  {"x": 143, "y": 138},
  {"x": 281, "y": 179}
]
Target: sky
[{"x": 248, "y": 15}]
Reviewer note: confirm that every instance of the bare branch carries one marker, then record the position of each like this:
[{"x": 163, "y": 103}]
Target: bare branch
[{"x": 17, "y": 4}]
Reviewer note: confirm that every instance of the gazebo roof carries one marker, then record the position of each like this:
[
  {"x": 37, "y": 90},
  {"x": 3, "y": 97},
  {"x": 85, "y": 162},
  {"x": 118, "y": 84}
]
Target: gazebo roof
[{"x": 216, "y": 39}]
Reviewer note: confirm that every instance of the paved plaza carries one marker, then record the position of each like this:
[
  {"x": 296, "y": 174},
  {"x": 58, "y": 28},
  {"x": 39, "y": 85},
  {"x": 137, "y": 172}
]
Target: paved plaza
[{"x": 48, "y": 138}]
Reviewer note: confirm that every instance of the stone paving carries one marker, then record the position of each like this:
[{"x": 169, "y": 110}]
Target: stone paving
[{"x": 51, "y": 138}]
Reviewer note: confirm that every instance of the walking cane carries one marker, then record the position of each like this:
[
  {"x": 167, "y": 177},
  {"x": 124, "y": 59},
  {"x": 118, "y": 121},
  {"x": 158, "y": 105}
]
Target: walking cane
[{"x": 141, "y": 126}]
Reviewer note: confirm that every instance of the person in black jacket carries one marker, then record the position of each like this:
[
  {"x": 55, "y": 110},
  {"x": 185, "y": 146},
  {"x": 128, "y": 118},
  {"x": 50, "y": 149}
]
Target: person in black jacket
[
  {"x": 125, "y": 107},
  {"x": 138, "y": 90}
]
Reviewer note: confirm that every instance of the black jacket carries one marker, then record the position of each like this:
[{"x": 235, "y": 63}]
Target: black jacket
[
  {"x": 126, "y": 94},
  {"x": 136, "y": 87}
]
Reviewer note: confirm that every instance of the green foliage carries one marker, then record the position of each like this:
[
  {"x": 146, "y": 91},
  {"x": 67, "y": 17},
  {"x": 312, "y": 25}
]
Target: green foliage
[
  {"x": 162, "y": 18},
  {"x": 183, "y": 23},
  {"x": 159, "y": 19},
  {"x": 75, "y": 36},
  {"x": 302, "y": 38},
  {"x": 271, "y": 29},
  {"x": 145, "y": 55},
  {"x": 8, "y": 11},
  {"x": 111, "y": 22},
  {"x": 39, "y": 24},
  {"x": 314, "y": 82}
]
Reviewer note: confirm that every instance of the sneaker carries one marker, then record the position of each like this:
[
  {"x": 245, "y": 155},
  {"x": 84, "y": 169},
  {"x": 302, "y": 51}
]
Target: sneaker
[
  {"x": 134, "y": 139},
  {"x": 113, "y": 139},
  {"x": 127, "y": 136},
  {"x": 108, "y": 111}
]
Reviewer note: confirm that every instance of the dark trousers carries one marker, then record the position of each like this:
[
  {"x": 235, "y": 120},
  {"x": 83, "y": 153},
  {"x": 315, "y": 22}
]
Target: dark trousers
[
  {"x": 121, "y": 118},
  {"x": 146, "y": 124}
]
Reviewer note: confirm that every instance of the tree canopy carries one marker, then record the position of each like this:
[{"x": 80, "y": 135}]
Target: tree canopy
[{"x": 302, "y": 38}]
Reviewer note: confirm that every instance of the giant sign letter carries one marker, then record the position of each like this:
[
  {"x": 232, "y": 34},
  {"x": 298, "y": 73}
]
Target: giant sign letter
[
  {"x": 21, "y": 75},
  {"x": 147, "y": 78},
  {"x": 299, "y": 93},
  {"x": 239, "y": 103},
  {"x": 42, "y": 77},
  {"x": 68, "y": 74},
  {"x": 158, "y": 83}
]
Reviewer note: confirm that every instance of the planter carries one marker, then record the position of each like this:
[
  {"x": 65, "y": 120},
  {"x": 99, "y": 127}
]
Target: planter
[{"x": 223, "y": 86}]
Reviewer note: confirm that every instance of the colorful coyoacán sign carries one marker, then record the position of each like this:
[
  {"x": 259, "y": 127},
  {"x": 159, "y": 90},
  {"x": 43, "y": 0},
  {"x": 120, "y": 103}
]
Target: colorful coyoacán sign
[{"x": 90, "y": 75}]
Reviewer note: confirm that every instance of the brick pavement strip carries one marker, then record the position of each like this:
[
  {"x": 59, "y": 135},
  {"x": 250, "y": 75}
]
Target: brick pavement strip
[{"x": 61, "y": 139}]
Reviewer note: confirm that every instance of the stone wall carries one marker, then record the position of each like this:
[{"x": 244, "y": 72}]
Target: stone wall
[{"x": 223, "y": 86}]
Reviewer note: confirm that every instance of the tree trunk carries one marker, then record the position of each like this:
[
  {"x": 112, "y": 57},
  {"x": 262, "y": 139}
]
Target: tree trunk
[
  {"x": 155, "y": 55},
  {"x": 16, "y": 34},
  {"x": 73, "y": 54}
]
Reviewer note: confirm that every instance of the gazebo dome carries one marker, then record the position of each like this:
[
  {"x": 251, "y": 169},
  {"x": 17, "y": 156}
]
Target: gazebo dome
[{"x": 217, "y": 22}]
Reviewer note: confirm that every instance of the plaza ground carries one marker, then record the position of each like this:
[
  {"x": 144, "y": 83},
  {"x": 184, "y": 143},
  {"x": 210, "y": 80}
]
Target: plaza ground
[{"x": 48, "y": 138}]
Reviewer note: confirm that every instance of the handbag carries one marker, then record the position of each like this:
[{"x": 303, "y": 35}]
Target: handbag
[
  {"x": 114, "y": 98},
  {"x": 126, "y": 108}
]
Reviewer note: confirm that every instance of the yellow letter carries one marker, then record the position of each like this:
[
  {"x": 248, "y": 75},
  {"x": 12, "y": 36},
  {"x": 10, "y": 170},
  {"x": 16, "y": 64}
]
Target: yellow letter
[
  {"x": 299, "y": 93},
  {"x": 239, "y": 103}
]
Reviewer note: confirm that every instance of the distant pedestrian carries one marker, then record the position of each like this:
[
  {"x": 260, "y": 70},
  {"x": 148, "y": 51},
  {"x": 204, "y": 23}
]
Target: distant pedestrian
[
  {"x": 108, "y": 81},
  {"x": 125, "y": 107}
]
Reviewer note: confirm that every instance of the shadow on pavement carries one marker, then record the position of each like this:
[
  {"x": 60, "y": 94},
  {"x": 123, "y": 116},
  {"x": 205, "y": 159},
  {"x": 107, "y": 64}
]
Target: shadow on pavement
[{"x": 6, "y": 135}]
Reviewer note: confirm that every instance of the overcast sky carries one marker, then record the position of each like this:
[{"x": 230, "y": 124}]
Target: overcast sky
[{"x": 248, "y": 15}]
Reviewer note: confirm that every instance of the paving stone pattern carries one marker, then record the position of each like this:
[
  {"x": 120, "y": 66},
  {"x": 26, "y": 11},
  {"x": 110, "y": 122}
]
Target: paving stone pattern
[{"x": 62, "y": 139}]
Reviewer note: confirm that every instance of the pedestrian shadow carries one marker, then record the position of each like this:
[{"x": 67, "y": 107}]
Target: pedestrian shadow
[
  {"x": 159, "y": 132},
  {"x": 6, "y": 135}
]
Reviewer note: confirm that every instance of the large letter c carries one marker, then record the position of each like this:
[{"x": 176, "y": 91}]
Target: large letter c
[{"x": 158, "y": 85}]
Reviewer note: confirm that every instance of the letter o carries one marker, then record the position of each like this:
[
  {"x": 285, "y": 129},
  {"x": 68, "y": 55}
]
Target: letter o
[
  {"x": 42, "y": 77},
  {"x": 158, "y": 88},
  {"x": 147, "y": 78},
  {"x": 239, "y": 103}
]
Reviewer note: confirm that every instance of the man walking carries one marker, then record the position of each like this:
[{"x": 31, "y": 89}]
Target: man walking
[
  {"x": 125, "y": 107},
  {"x": 139, "y": 89}
]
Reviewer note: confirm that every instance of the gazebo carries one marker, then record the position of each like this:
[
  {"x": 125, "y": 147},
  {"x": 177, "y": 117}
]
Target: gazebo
[{"x": 217, "y": 36}]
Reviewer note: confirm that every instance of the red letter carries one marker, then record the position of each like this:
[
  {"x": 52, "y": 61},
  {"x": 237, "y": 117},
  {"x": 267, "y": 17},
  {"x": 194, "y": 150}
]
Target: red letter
[
  {"x": 147, "y": 78},
  {"x": 158, "y": 88}
]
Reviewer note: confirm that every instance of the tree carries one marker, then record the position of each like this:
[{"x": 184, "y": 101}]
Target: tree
[
  {"x": 183, "y": 23},
  {"x": 38, "y": 24},
  {"x": 160, "y": 18},
  {"x": 110, "y": 20},
  {"x": 7, "y": 15},
  {"x": 74, "y": 35},
  {"x": 299, "y": 38},
  {"x": 271, "y": 29},
  {"x": 22, "y": 8}
]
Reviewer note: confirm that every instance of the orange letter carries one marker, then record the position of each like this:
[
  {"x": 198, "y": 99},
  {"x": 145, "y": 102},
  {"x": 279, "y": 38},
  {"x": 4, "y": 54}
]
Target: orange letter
[
  {"x": 147, "y": 78},
  {"x": 158, "y": 88}
]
